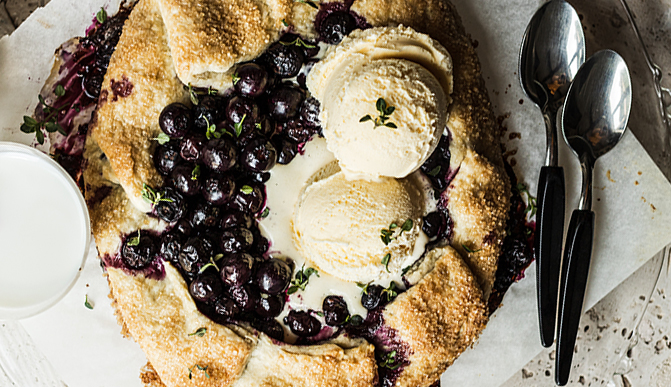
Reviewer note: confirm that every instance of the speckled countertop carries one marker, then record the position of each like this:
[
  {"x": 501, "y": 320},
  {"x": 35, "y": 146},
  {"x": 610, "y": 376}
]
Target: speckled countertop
[{"x": 623, "y": 341}]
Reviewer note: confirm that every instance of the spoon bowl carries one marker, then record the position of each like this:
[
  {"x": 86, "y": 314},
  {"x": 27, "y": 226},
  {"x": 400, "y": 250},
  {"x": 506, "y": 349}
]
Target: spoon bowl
[
  {"x": 595, "y": 117},
  {"x": 592, "y": 125},
  {"x": 553, "y": 49}
]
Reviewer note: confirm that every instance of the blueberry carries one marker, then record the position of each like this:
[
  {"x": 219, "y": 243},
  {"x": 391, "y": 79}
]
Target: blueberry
[
  {"x": 259, "y": 155},
  {"x": 204, "y": 214},
  {"x": 309, "y": 113},
  {"x": 261, "y": 244},
  {"x": 305, "y": 70},
  {"x": 139, "y": 250},
  {"x": 171, "y": 207},
  {"x": 336, "y": 26},
  {"x": 266, "y": 127},
  {"x": 250, "y": 198},
  {"x": 335, "y": 310},
  {"x": 236, "y": 219},
  {"x": 206, "y": 287},
  {"x": 286, "y": 149},
  {"x": 235, "y": 240},
  {"x": 273, "y": 276},
  {"x": 372, "y": 297},
  {"x": 166, "y": 157},
  {"x": 92, "y": 83},
  {"x": 252, "y": 80},
  {"x": 218, "y": 189},
  {"x": 236, "y": 269},
  {"x": 433, "y": 224},
  {"x": 284, "y": 102},
  {"x": 270, "y": 306},
  {"x": 171, "y": 244},
  {"x": 209, "y": 110},
  {"x": 195, "y": 253},
  {"x": 192, "y": 146},
  {"x": 219, "y": 154},
  {"x": 245, "y": 296},
  {"x": 176, "y": 120},
  {"x": 182, "y": 178},
  {"x": 225, "y": 307},
  {"x": 245, "y": 110},
  {"x": 302, "y": 324},
  {"x": 270, "y": 327},
  {"x": 294, "y": 130},
  {"x": 259, "y": 177},
  {"x": 284, "y": 60},
  {"x": 183, "y": 227}
]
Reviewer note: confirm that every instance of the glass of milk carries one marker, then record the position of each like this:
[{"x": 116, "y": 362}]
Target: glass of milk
[{"x": 44, "y": 232}]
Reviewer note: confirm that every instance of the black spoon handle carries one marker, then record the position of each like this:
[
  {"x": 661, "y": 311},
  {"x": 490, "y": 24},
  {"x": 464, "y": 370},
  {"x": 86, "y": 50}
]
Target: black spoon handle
[
  {"x": 549, "y": 234},
  {"x": 577, "y": 256}
]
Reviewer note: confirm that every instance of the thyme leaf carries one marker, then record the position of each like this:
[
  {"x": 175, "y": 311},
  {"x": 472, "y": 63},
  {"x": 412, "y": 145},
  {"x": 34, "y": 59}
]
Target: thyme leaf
[
  {"x": 385, "y": 261},
  {"x": 87, "y": 304},
  {"x": 101, "y": 16},
  {"x": 469, "y": 250},
  {"x": 200, "y": 332},
  {"x": 162, "y": 138}
]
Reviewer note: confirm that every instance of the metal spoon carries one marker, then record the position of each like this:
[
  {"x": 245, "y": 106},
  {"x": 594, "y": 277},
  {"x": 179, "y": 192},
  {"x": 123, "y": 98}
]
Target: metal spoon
[
  {"x": 595, "y": 116},
  {"x": 552, "y": 51}
]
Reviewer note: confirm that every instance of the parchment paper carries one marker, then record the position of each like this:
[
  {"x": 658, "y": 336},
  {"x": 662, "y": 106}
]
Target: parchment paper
[{"x": 631, "y": 200}]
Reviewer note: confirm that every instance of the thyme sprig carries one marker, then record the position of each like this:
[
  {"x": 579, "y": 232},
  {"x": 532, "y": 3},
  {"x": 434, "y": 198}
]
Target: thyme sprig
[
  {"x": 531, "y": 200},
  {"x": 387, "y": 234},
  {"x": 389, "y": 361},
  {"x": 298, "y": 42},
  {"x": 212, "y": 263},
  {"x": 392, "y": 291},
  {"x": 364, "y": 287},
  {"x": 195, "y": 93},
  {"x": 301, "y": 279},
  {"x": 200, "y": 367},
  {"x": 152, "y": 196},
  {"x": 385, "y": 111},
  {"x": 48, "y": 123}
]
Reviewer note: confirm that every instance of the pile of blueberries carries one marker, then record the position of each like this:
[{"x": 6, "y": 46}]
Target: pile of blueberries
[
  {"x": 215, "y": 164},
  {"x": 438, "y": 224}
]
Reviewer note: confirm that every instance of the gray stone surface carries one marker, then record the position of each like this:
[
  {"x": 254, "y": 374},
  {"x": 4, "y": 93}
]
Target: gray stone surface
[
  {"x": 6, "y": 24},
  {"x": 19, "y": 10},
  {"x": 623, "y": 341}
]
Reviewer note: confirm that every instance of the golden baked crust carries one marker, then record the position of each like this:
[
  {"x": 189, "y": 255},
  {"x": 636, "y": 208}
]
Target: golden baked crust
[
  {"x": 326, "y": 365},
  {"x": 124, "y": 126},
  {"x": 478, "y": 203},
  {"x": 438, "y": 318},
  {"x": 160, "y": 315},
  {"x": 207, "y": 37}
]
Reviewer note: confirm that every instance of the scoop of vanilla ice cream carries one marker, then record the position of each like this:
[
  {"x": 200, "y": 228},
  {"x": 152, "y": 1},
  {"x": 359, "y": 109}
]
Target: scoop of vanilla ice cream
[
  {"x": 337, "y": 226},
  {"x": 411, "y": 72},
  {"x": 368, "y": 149}
]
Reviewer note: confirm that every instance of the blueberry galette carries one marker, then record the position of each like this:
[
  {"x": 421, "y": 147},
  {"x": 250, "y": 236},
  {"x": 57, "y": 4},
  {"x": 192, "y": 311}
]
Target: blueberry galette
[{"x": 290, "y": 193}]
